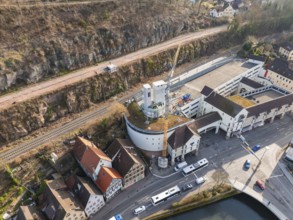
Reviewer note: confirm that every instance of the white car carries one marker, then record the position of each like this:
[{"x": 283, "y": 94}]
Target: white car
[
  {"x": 139, "y": 210},
  {"x": 200, "y": 180}
]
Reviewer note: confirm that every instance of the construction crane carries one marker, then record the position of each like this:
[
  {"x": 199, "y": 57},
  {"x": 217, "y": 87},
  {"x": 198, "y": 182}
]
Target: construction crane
[{"x": 167, "y": 108}]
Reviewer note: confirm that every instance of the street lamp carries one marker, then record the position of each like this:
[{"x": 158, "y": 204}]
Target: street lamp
[{"x": 266, "y": 148}]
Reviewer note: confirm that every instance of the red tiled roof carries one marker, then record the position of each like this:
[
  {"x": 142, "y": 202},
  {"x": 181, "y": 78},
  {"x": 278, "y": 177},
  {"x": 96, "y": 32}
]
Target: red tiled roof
[
  {"x": 88, "y": 154},
  {"x": 105, "y": 177}
]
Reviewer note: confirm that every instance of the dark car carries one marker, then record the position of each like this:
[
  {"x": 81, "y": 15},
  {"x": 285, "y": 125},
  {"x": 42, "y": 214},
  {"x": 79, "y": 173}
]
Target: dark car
[
  {"x": 260, "y": 184},
  {"x": 186, "y": 187},
  {"x": 256, "y": 148}
]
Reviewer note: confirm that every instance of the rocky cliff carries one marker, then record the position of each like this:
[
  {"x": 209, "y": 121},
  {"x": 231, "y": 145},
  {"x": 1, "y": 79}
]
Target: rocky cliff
[
  {"x": 38, "y": 42},
  {"x": 23, "y": 118}
]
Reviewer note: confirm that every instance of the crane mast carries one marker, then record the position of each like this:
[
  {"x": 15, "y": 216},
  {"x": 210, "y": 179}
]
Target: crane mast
[{"x": 167, "y": 103}]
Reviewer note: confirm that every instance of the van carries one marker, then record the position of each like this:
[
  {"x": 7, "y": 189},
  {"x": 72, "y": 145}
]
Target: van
[
  {"x": 111, "y": 68},
  {"x": 139, "y": 210},
  {"x": 200, "y": 180},
  {"x": 180, "y": 166}
]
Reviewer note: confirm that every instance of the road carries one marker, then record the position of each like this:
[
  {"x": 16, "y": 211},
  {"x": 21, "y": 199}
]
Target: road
[
  {"x": 224, "y": 155},
  {"x": 46, "y": 87}
]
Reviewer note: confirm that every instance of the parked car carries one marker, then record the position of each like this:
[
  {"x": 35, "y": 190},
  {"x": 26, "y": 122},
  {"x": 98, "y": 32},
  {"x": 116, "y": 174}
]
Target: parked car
[
  {"x": 247, "y": 164},
  {"x": 260, "y": 184},
  {"x": 186, "y": 187},
  {"x": 139, "y": 210},
  {"x": 200, "y": 180},
  {"x": 256, "y": 148}
]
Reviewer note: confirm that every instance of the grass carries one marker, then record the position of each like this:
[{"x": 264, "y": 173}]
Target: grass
[
  {"x": 200, "y": 199},
  {"x": 138, "y": 118},
  {"x": 241, "y": 101}
]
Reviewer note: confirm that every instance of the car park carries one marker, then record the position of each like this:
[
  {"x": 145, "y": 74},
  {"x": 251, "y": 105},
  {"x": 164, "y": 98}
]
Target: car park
[
  {"x": 139, "y": 210},
  {"x": 260, "y": 184},
  {"x": 256, "y": 148},
  {"x": 247, "y": 164},
  {"x": 187, "y": 187},
  {"x": 200, "y": 180}
]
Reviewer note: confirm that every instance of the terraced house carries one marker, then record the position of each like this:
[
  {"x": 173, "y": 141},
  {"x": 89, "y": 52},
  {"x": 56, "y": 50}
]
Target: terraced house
[
  {"x": 126, "y": 161},
  {"x": 98, "y": 166}
]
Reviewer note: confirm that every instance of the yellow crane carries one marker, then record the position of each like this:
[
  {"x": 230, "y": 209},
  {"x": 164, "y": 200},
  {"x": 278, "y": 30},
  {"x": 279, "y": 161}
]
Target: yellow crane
[{"x": 167, "y": 104}]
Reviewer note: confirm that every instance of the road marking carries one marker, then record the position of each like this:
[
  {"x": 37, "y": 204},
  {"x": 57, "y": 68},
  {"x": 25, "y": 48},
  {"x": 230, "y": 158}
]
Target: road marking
[{"x": 275, "y": 176}]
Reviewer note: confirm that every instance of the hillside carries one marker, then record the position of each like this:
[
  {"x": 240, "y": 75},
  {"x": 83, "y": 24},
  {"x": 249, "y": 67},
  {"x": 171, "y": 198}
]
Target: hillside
[{"x": 41, "y": 41}]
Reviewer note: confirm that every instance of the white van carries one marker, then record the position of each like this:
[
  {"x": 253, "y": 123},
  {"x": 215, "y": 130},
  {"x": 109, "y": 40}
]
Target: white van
[
  {"x": 180, "y": 166},
  {"x": 139, "y": 210},
  {"x": 200, "y": 180},
  {"x": 111, "y": 68}
]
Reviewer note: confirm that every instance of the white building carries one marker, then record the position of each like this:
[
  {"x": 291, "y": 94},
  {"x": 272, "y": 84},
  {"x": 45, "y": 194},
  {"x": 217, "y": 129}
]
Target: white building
[
  {"x": 182, "y": 141},
  {"x": 286, "y": 50},
  {"x": 154, "y": 99},
  {"x": 88, "y": 195},
  {"x": 225, "y": 11}
]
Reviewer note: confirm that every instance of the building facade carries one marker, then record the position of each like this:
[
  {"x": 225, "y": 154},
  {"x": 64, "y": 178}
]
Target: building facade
[
  {"x": 280, "y": 74},
  {"x": 126, "y": 161},
  {"x": 286, "y": 50},
  {"x": 109, "y": 181},
  {"x": 89, "y": 196},
  {"x": 182, "y": 141}
]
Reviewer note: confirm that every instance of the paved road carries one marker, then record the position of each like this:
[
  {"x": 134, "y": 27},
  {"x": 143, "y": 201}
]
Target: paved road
[
  {"x": 46, "y": 87},
  {"x": 224, "y": 155}
]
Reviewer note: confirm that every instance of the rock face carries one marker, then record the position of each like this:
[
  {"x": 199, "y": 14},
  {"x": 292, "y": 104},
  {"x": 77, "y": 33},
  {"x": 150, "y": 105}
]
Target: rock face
[
  {"x": 23, "y": 118},
  {"x": 42, "y": 41}
]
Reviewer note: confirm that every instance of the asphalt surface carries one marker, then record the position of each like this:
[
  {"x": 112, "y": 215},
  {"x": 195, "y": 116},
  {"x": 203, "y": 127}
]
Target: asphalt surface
[{"x": 224, "y": 155}]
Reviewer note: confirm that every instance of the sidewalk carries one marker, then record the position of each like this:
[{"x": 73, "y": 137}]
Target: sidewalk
[
  {"x": 283, "y": 167},
  {"x": 246, "y": 189}
]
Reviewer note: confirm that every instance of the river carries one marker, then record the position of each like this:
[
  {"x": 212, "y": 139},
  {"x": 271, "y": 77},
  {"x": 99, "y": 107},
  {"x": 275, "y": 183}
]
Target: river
[{"x": 239, "y": 207}]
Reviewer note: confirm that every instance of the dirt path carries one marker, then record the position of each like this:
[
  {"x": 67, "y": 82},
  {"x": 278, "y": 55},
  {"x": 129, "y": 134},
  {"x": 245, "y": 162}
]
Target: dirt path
[{"x": 42, "y": 88}]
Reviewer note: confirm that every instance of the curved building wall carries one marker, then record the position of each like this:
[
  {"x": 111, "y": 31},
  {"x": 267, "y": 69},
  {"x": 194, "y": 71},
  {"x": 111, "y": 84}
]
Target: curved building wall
[{"x": 151, "y": 142}]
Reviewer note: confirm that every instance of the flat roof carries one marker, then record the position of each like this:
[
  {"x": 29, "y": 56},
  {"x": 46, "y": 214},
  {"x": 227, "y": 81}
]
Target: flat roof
[
  {"x": 216, "y": 78},
  {"x": 264, "y": 96}
]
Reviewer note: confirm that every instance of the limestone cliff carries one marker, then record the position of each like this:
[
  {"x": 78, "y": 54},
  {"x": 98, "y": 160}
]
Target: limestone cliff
[{"x": 38, "y": 42}]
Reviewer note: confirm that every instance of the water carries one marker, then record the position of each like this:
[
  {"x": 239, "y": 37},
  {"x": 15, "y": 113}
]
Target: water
[{"x": 239, "y": 207}]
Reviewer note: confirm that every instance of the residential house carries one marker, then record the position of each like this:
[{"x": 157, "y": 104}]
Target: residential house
[
  {"x": 89, "y": 196},
  {"x": 29, "y": 213},
  {"x": 126, "y": 161},
  {"x": 109, "y": 182},
  {"x": 90, "y": 157},
  {"x": 223, "y": 11},
  {"x": 286, "y": 50},
  {"x": 280, "y": 74},
  {"x": 181, "y": 142},
  {"x": 59, "y": 203}
]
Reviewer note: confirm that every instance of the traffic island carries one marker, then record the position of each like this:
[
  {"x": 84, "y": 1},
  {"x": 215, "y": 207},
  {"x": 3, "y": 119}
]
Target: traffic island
[{"x": 197, "y": 200}]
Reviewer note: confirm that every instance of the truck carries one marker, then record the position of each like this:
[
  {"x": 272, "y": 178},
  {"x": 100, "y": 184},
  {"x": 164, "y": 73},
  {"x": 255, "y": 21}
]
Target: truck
[
  {"x": 180, "y": 166},
  {"x": 116, "y": 217}
]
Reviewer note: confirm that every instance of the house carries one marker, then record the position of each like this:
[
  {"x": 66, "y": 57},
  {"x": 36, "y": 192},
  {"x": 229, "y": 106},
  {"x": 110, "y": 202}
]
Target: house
[
  {"x": 286, "y": 50},
  {"x": 29, "y": 213},
  {"x": 126, "y": 161},
  {"x": 59, "y": 203},
  {"x": 223, "y": 11},
  {"x": 247, "y": 84},
  {"x": 90, "y": 157},
  {"x": 181, "y": 142},
  {"x": 89, "y": 196},
  {"x": 280, "y": 74},
  {"x": 109, "y": 182}
]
